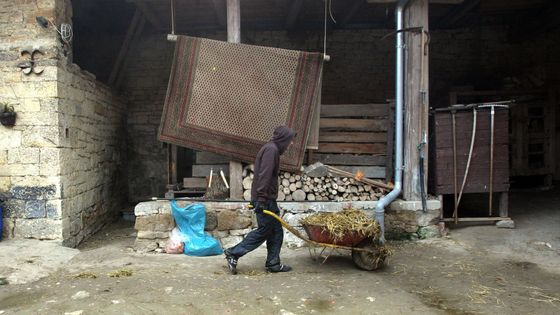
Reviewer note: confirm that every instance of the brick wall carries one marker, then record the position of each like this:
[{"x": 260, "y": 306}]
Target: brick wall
[{"x": 59, "y": 164}]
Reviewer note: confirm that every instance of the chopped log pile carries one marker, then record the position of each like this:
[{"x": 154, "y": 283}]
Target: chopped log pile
[{"x": 323, "y": 183}]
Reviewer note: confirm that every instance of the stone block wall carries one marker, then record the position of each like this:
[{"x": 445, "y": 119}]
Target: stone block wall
[
  {"x": 60, "y": 164},
  {"x": 229, "y": 222},
  {"x": 92, "y": 153},
  {"x": 28, "y": 151}
]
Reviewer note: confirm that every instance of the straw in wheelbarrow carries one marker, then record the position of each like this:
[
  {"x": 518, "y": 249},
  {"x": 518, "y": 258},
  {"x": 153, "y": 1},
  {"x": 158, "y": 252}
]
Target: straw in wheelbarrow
[{"x": 339, "y": 224}]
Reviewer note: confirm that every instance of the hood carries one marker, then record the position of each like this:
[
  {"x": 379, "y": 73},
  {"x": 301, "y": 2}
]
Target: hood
[{"x": 282, "y": 137}]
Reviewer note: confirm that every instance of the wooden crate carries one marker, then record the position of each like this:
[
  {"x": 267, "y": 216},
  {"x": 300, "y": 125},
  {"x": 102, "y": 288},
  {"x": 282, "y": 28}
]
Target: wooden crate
[{"x": 441, "y": 178}]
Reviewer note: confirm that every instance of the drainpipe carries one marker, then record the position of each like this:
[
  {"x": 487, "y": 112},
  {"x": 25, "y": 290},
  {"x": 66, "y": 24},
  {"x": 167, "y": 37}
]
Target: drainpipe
[{"x": 399, "y": 97}]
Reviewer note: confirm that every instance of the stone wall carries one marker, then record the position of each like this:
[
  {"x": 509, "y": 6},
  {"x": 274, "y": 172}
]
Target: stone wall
[
  {"x": 361, "y": 70},
  {"x": 229, "y": 222},
  {"x": 59, "y": 164},
  {"x": 92, "y": 153}
]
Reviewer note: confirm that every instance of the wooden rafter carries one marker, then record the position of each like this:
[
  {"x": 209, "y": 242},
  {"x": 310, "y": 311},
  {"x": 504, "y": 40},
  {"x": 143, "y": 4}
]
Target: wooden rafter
[
  {"x": 456, "y": 14},
  {"x": 293, "y": 13},
  {"x": 220, "y": 9},
  {"x": 132, "y": 29},
  {"x": 431, "y": 1},
  {"x": 354, "y": 6},
  {"x": 146, "y": 8},
  {"x": 543, "y": 22}
]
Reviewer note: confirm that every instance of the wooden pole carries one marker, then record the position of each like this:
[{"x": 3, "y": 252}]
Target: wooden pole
[
  {"x": 234, "y": 36},
  {"x": 233, "y": 21},
  {"x": 416, "y": 98}
]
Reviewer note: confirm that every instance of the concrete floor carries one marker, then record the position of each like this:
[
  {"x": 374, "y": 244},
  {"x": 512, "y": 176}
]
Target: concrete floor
[{"x": 475, "y": 270}]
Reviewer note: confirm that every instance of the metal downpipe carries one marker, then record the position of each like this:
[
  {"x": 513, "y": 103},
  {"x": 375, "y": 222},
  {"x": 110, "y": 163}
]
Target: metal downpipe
[{"x": 399, "y": 98}]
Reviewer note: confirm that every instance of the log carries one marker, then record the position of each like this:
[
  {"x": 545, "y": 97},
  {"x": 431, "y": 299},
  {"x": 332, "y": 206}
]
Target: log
[
  {"x": 364, "y": 180},
  {"x": 299, "y": 195},
  {"x": 293, "y": 187},
  {"x": 310, "y": 197},
  {"x": 247, "y": 183},
  {"x": 281, "y": 196}
]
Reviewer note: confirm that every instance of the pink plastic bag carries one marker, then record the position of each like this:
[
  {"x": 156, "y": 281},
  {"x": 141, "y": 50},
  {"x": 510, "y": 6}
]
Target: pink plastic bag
[{"x": 175, "y": 244}]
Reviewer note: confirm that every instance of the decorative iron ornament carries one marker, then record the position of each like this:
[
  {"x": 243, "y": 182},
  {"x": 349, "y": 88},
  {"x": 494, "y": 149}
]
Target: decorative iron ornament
[{"x": 28, "y": 66}]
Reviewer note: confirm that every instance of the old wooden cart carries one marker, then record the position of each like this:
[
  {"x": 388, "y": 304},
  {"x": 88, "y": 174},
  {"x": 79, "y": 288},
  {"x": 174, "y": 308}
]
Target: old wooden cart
[{"x": 366, "y": 254}]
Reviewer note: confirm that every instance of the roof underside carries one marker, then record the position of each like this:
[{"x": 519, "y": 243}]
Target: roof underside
[{"x": 210, "y": 15}]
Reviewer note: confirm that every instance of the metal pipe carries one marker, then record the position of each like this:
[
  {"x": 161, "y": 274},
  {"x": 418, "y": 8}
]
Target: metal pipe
[
  {"x": 399, "y": 97},
  {"x": 490, "y": 190}
]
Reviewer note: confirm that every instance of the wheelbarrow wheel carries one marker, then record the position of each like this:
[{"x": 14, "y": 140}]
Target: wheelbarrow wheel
[{"x": 372, "y": 259}]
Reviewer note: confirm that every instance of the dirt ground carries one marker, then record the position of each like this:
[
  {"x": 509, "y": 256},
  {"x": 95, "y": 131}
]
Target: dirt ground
[{"x": 475, "y": 270}]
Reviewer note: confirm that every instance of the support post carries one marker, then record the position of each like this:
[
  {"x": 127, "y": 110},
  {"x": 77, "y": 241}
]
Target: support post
[
  {"x": 416, "y": 98},
  {"x": 234, "y": 36}
]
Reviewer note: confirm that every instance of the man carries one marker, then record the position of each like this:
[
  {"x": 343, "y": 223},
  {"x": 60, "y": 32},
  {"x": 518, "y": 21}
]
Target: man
[{"x": 264, "y": 192}]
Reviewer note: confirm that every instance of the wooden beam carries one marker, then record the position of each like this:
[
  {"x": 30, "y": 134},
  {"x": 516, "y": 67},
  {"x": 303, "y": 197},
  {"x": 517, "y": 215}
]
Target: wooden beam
[
  {"x": 547, "y": 20},
  {"x": 431, "y": 1},
  {"x": 416, "y": 99},
  {"x": 293, "y": 14},
  {"x": 135, "y": 38},
  {"x": 148, "y": 11},
  {"x": 354, "y": 6},
  {"x": 220, "y": 10},
  {"x": 234, "y": 36},
  {"x": 233, "y": 21},
  {"x": 456, "y": 14},
  {"x": 125, "y": 46}
]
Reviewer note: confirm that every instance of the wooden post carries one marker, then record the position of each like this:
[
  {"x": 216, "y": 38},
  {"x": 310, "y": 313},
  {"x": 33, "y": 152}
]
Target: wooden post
[
  {"x": 233, "y": 21},
  {"x": 416, "y": 98},
  {"x": 234, "y": 36}
]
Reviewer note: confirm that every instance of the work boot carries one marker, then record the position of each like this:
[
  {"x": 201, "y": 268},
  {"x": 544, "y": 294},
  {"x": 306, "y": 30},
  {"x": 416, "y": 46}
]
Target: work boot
[
  {"x": 231, "y": 262},
  {"x": 278, "y": 268}
]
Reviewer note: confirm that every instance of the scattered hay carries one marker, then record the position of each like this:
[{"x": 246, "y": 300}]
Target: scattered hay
[
  {"x": 85, "y": 275},
  {"x": 339, "y": 224},
  {"x": 120, "y": 273},
  {"x": 481, "y": 294}
]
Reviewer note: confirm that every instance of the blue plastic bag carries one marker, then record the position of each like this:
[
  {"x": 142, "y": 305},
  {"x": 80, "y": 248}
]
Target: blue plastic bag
[{"x": 191, "y": 221}]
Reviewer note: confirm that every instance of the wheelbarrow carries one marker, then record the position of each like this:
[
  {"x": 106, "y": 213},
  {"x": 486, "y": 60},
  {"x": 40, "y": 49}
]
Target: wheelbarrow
[{"x": 365, "y": 253}]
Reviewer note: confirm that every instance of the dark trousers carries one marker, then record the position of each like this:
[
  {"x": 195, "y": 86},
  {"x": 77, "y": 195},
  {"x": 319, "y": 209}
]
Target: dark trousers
[{"x": 269, "y": 230}]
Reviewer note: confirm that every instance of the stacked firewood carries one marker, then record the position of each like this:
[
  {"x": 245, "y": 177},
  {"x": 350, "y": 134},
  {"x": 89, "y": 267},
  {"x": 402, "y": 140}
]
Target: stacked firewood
[{"x": 296, "y": 187}]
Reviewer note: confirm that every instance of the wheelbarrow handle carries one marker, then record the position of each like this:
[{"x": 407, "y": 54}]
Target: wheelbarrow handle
[{"x": 286, "y": 225}]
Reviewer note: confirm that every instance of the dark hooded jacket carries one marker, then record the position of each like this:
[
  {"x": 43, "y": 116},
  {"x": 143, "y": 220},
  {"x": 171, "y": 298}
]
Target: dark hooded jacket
[{"x": 267, "y": 165}]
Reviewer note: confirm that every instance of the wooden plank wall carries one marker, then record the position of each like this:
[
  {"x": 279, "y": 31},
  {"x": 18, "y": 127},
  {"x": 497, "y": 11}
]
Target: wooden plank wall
[
  {"x": 441, "y": 155},
  {"x": 354, "y": 137}
]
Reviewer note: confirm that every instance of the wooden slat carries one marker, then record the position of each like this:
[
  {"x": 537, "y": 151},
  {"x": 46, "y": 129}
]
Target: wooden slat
[
  {"x": 349, "y": 159},
  {"x": 354, "y": 110},
  {"x": 352, "y": 148},
  {"x": 477, "y": 219},
  {"x": 354, "y": 124},
  {"x": 353, "y": 137}
]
